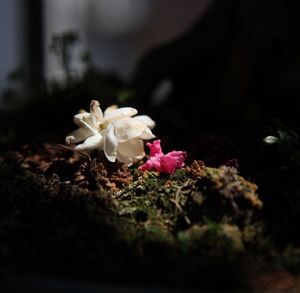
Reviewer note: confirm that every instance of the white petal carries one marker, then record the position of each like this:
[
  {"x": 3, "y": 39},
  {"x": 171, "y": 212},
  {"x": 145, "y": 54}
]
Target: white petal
[
  {"x": 120, "y": 113},
  {"x": 96, "y": 110},
  {"x": 128, "y": 128},
  {"x": 78, "y": 118},
  {"x": 87, "y": 121},
  {"x": 110, "y": 109},
  {"x": 147, "y": 134},
  {"x": 78, "y": 135},
  {"x": 110, "y": 144},
  {"x": 91, "y": 143},
  {"x": 130, "y": 151},
  {"x": 146, "y": 120},
  {"x": 129, "y": 160}
]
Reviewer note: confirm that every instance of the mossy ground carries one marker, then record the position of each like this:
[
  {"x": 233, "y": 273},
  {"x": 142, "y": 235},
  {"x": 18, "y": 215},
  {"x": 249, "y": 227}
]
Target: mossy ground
[{"x": 63, "y": 215}]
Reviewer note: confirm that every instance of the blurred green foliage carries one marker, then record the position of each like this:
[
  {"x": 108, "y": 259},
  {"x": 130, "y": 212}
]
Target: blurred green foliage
[{"x": 34, "y": 111}]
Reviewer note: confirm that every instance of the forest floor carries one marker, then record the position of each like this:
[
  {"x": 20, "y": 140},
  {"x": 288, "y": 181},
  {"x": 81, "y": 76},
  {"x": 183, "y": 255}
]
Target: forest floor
[{"x": 65, "y": 215}]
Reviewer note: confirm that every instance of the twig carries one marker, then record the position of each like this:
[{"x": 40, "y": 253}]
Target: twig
[{"x": 73, "y": 150}]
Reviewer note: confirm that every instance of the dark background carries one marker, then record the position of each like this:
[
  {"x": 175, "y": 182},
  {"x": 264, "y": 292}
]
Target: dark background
[{"x": 230, "y": 69}]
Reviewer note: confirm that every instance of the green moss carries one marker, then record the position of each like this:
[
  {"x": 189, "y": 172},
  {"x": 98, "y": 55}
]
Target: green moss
[
  {"x": 151, "y": 217},
  {"x": 221, "y": 239},
  {"x": 198, "y": 211},
  {"x": 180, "y": 175}
]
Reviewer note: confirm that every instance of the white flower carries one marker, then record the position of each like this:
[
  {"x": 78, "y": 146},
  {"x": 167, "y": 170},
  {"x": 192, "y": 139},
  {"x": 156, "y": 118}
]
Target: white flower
[
  {"x": 116, "y": 132},
  {"x": 88, "y": 131}
]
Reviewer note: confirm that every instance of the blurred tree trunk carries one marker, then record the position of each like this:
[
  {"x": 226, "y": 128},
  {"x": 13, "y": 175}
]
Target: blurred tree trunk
[{"x": 34, "y": 37}]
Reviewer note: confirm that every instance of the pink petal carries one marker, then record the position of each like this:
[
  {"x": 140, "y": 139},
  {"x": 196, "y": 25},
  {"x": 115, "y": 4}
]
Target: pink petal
[
  {"x": 155, "y": 148},
  {"x": 163, "y": 163},
  {"x": 178, "y": 156},
  {"x": 152, "y": 163},
  {"x": 167, "y": 164},
  {"x": 147, "y": 166}
]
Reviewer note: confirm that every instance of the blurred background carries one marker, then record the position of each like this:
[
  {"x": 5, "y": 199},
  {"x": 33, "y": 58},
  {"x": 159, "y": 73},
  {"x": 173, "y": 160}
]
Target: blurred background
[
  {"x": 197, "y": 66},
  {"x": 56, "y": 51},
  {"x": 115, "y": 32}
]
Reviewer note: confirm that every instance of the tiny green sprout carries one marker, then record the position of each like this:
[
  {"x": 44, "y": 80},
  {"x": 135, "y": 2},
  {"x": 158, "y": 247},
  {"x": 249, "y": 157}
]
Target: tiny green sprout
[{"x": 271, "y": 139}]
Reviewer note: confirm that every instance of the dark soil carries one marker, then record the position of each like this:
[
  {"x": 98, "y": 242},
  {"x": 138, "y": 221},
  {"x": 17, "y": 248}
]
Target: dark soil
[{"x": 65, "y": 215}]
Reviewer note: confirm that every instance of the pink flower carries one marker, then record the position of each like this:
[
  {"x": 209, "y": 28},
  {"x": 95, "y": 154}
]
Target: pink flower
[{"x": 163, "y": 163}]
